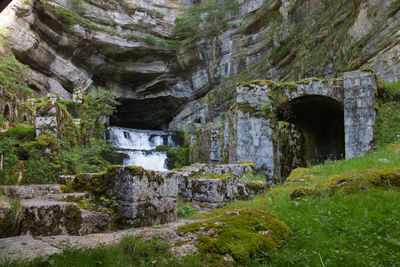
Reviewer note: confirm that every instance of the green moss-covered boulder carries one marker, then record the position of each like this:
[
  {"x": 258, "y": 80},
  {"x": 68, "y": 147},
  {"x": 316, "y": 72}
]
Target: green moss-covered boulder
[
  {"x": 372, "y": 179},
  {"x": 244, "y": 235},
  {"x": 299, "y": 175},
  {"x": 303, "y": 191},
  {"x": 362, "y": 180}
]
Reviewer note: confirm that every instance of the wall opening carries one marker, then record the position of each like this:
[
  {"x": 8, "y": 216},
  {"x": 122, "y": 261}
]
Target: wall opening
[
  {"x": 7, "y": 112},
  {"x": 321, "y": 121}
]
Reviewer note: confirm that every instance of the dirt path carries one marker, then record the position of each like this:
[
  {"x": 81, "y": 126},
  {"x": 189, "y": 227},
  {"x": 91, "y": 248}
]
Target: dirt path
[{"x": 28, "y": 247}]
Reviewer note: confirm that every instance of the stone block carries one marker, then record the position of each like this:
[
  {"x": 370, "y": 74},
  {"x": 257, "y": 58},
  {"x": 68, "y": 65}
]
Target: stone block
[
  {"x": 144, "y": 197},
  {"x": 213, "y": 193}
]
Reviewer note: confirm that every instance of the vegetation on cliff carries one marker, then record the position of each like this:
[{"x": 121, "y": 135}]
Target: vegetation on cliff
[{"x": 75, "y": 149}]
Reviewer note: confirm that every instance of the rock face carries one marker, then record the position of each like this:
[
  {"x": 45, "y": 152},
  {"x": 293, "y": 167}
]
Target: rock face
[
  {"x": 39, "y": 211},
  {"x": 127, "y": 48},
  {"x": 212, "y": 186},
  {"x": 211, "y": 193},
  {"x": 144, "y": 197},
  {"x": 324, "y": 120}
]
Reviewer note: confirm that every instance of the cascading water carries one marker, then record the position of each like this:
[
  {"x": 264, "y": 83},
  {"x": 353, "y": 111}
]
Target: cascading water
[{"x": 139, "y": 146}]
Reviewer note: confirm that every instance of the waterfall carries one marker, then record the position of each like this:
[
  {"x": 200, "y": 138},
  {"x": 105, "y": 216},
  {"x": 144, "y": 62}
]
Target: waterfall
[{"x": 139, "y": 146}]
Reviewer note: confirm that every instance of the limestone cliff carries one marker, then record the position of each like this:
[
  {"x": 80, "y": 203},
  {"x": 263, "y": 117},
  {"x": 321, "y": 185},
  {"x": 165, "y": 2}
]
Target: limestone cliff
[{"x": 130, "y": 47}]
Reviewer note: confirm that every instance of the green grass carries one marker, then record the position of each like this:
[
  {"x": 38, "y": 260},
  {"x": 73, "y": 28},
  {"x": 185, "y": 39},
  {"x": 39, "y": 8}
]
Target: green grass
[
  {"x": 13, "y": 76},
  {"x": 369, "y": 161},
  {"x": 249, "y": 176},
  {"x": 344, "y": 229},
  {"x": 394, "y": 86},
  {"x": 387, "y": 123},
  {"x": 359, "y": 229},
  {"x": 130, "y": 251}
]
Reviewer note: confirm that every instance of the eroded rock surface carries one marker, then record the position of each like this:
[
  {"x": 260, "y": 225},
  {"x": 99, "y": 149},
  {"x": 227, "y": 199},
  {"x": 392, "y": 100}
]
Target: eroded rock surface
[
  {"x": 143, "y": 197},
  {"x": 37, "y": 210}
]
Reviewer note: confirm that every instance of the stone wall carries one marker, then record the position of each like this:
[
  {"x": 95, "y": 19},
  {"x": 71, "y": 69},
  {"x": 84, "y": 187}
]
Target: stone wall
[
  {"x": 255, "y": 123},
  {"x": 13, "y": 109},
  {"x": 255, "y": 133},
  {"x": 359, "y": 112},
  {"x": 144, "y": 197}
]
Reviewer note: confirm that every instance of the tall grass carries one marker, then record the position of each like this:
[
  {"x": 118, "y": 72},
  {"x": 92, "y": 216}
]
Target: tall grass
[
  {"x": 374, "y": 160},
  {"x": 131, "y": 251}
]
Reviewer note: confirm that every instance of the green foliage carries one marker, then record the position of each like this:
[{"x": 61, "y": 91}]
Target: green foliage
[
  {"x": 207, "y": 19},
  {"x": 149, "y": 39},
  {"x": 387, "y": 129},
  {"x": 9, "y": 150},
  {"x": 178, "y": 157},
  {"x": 22, "y": 132},
  {"x": 249, "y": 176},
  {"x": 12, "y": 220},
  {"x": 68, "y": 16},
  {"x": 93, "y": 107},
  {"x": 13, "y": 76},
  {"x": 30, "y": 160},
  {"x": 131, "y": 251},
  {"x": 86, "y": 159},
  {"x": 184, "y": 211},
  {"x": 388, "y": 91}
]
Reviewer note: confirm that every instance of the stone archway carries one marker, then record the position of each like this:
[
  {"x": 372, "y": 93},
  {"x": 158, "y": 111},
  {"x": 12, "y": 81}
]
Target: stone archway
[
  {"x": 321, "y": 121},
  {"x": 336, "y": 116}
]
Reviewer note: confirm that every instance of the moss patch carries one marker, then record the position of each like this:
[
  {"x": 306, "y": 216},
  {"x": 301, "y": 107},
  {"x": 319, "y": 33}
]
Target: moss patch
[
  {"x": 300, "y": 175},
  {"x": 302, "y": 191},
  {"x": 250, "y": 163},
  {"x": 243, "y": 234},
  {"x": 372, "y": 179}
]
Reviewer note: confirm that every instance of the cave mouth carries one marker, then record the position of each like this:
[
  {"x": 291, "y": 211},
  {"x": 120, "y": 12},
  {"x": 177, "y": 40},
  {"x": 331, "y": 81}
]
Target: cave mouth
[
  {"x": 146, "y": 114},
  {"x": 7, "y": 112},
  {"x": 321, "y": 121}
]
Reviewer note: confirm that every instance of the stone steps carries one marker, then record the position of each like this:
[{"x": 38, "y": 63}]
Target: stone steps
[{"x": 41, "y": 213}]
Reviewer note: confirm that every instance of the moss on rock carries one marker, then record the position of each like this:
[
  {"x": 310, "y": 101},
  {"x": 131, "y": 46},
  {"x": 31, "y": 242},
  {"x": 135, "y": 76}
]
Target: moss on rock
[
  {"x": 372, "y": 179},
  {"x": 249, "y": 163},
  {"x": 300, "y": 175},
  {"x": 393, "y": 148},
  {"x": 243, "y": 234},
  {"x": 302, "y": 191},
  {"x": 362, "y": 180}
]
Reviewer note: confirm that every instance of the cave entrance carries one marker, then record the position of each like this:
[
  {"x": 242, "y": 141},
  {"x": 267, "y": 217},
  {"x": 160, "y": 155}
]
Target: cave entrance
[
  {"x": 7, "y": 112},
  {"x": 321, "y": 121},
  {"x": 146, "y": 114}
]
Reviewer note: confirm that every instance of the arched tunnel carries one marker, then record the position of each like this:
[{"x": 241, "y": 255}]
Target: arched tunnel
[{"x": 321, "y": 121}]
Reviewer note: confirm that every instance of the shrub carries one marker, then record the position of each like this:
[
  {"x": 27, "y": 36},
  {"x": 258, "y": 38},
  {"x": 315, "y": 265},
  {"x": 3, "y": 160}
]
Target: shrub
[
  {"x": 207, "y": 19},
  {"x": 185, "y": 210},
  {"x": 13, "y": 76}
]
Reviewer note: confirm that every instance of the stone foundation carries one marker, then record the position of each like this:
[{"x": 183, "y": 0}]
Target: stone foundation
[{"x": 144, "y": 197}]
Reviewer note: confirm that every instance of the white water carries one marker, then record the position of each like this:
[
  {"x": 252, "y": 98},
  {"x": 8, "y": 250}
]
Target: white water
[{"x": 139, "y": 145}]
